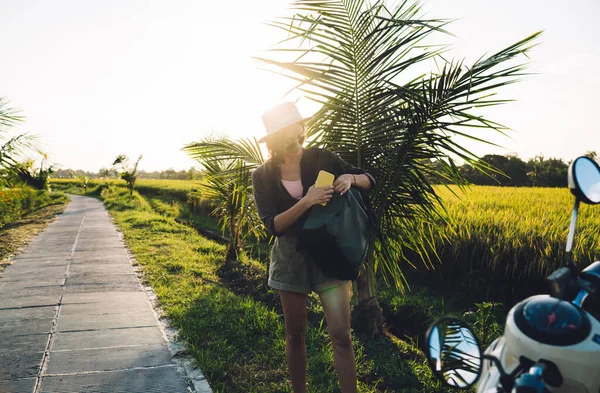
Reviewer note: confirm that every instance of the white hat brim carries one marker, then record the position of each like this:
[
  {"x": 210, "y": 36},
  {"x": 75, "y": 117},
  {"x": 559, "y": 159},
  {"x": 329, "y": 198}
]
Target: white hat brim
[{"x": 264, "y": 138}]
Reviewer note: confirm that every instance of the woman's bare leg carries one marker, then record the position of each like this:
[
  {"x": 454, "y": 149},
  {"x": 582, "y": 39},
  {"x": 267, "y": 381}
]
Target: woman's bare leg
[
  {"x": 294, "y": 311},
  {"x": 336, "y": 303}
]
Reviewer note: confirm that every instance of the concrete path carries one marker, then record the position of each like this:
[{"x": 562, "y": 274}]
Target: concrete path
[{"x": 74, "y": 317}]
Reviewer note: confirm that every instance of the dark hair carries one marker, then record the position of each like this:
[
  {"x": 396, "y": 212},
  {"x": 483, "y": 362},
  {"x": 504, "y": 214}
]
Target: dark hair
[{"x": 275, "y": 147}]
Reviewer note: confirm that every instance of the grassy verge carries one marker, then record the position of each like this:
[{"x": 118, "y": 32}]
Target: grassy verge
[
  {"x": 232, "y": 323},
  {"x": 17, "y": 202},
  {"x": 16, "y": 234}
]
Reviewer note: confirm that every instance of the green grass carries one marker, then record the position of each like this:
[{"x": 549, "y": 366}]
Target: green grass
[
  {"x": 17, "y": 202},
  {"x": 234, "y": 326}
]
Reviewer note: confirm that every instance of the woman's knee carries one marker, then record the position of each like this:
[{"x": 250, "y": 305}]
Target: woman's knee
[
  {"x": 341, "y": 338},
  {"x": 295, "y": 335}
]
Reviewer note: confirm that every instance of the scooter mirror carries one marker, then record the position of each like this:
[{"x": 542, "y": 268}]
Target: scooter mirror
[
  {"x": 454, "y": 353},
  {"x": 584, "y": 180}
]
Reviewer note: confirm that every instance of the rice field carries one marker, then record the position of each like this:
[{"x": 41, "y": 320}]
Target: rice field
[
  {"x": 505, "y": 241},
  {"x": 171, "y": 185}
]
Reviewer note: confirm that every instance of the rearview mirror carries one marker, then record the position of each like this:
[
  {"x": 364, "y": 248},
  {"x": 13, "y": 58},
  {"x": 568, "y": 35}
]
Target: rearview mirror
[
  {"x": 584, "y": 180},
  {"x": 454, "y": 353}
]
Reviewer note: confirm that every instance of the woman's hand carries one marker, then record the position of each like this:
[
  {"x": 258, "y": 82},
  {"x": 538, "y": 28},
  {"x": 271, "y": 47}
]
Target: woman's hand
[
  {"x": 316, "y": 196},
  {"x": 343, "y": 183}
]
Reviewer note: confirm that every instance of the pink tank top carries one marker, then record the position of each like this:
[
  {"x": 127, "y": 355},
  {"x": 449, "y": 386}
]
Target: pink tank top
[{"x": 294, "y": 187}]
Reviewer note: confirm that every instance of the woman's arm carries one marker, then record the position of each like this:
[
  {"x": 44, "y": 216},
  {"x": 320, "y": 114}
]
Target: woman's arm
[
  {"x": 314, "y": 196},
  {"x": 343, "y": 183},
  {"x": 286, "y": 219},
  {"x": 263, "y": 201},
  {"x": 362, "y": 181},
  {"x": 278, "y": 222}
]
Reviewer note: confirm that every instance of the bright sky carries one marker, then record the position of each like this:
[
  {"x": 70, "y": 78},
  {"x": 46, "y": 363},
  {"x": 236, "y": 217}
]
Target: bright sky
[{"x": 99, "y": 78}]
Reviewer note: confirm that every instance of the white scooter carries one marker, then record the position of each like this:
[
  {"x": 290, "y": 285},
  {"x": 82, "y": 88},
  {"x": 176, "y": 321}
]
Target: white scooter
[{"x": 551, "y": 343}]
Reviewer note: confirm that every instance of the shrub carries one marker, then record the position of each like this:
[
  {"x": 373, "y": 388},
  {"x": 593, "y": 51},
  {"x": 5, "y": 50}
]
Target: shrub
[{"x": 16, "y": 202}]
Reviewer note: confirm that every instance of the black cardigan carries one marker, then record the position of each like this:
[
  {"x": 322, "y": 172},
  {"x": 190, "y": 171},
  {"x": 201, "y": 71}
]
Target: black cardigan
[{"x": 272, "y": 198}]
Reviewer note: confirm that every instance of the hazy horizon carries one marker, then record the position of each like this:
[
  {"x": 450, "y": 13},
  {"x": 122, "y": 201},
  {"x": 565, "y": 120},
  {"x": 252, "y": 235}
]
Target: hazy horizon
[{"x": 97, "y": 79}]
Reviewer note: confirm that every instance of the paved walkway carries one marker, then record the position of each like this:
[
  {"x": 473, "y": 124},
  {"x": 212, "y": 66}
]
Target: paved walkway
[{"x": 74, "y": 317}]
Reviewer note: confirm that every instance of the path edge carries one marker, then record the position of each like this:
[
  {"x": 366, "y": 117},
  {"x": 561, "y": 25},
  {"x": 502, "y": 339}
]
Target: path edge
[{"x": 185, "y": 363}]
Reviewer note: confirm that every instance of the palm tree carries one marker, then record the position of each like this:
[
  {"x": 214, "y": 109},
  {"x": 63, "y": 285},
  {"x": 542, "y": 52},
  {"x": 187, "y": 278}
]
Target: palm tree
[
  {"x": 127, "y": 174},
  {"x": 8, "y": 116},
  {"x": 25, "y": 173},
  {"x": 12, "y": 149},
  {"x": 353, "y": 59},
  {"x": 227, "y": 182}
]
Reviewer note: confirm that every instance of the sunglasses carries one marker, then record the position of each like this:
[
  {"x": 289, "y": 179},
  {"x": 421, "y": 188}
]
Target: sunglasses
[{"x": 290, "y": 142}]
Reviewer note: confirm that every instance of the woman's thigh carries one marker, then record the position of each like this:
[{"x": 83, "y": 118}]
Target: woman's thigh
[
  {"x": 336, "y": 303},
  {"x": 294, "y": 311}
]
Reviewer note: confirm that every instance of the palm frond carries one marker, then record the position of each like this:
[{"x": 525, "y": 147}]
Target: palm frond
[
  {"x": 228, "y": 184},
  {"x": 246, "y": 150},
  {"x": 351, "y": 57},
  {"x": 9, "y": 117}
]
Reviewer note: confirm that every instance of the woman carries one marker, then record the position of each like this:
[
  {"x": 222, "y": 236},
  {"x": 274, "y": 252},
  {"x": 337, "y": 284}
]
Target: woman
[{"x": 284, "y": 192}]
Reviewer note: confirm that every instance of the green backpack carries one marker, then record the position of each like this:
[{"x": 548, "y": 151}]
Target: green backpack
[{"x": 338, "y": 235}]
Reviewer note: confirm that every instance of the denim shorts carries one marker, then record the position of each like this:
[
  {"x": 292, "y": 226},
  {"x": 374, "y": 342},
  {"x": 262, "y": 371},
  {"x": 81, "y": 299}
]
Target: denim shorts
[{"x": 293, "y": 270}]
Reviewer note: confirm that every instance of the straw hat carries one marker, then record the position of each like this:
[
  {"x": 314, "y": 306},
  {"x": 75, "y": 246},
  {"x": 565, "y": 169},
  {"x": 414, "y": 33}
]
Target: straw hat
[{"x": 279, "y": 117}]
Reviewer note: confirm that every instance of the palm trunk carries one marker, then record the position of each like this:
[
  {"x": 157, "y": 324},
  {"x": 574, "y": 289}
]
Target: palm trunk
[
  {"x": 232, "y": 256},
  {"x": 367, "y": 316}
]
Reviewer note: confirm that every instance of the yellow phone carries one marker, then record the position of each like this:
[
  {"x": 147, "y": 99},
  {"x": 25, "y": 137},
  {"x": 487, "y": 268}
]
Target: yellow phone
[{"x": 324, "y": 179}]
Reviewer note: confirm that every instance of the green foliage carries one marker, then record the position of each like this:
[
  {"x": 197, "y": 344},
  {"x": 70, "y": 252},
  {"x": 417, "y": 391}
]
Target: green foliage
[
  {"x": 512, "y": 171},
  {"x": 126, "y": 173},
  {"x": 228, "y": 186},
  {"x": 80, "y": 185},
  {"x": 550, "y": 172},
  {"x": 24, "y": 173},
  {"x": 172, "y": 209},
  {"x": 134, "y": 202},
  {"x": 358, "y": 59},
  {"x": 15, "y": 169},
  {"x": 16, "y": 202},
  {"x": 13, "y": 148},
  {"x": 593, "y": 155},
  {"x": 487, "y": 321}
]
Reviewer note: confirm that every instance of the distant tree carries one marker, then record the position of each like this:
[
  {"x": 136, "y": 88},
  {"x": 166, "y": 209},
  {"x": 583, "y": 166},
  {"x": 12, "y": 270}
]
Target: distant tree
[
  {"x": 127, "y": 174},
  {"x": 516, "y": 170},
  {"x": 105, "y": 173},
  {"x": 593, "y": 155},
  {"x": 491, "y": 176},
  {"x": 550, "y": 172},
  {"x": 193, "y": 173},
  {"x": 508, "y": 170}
]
